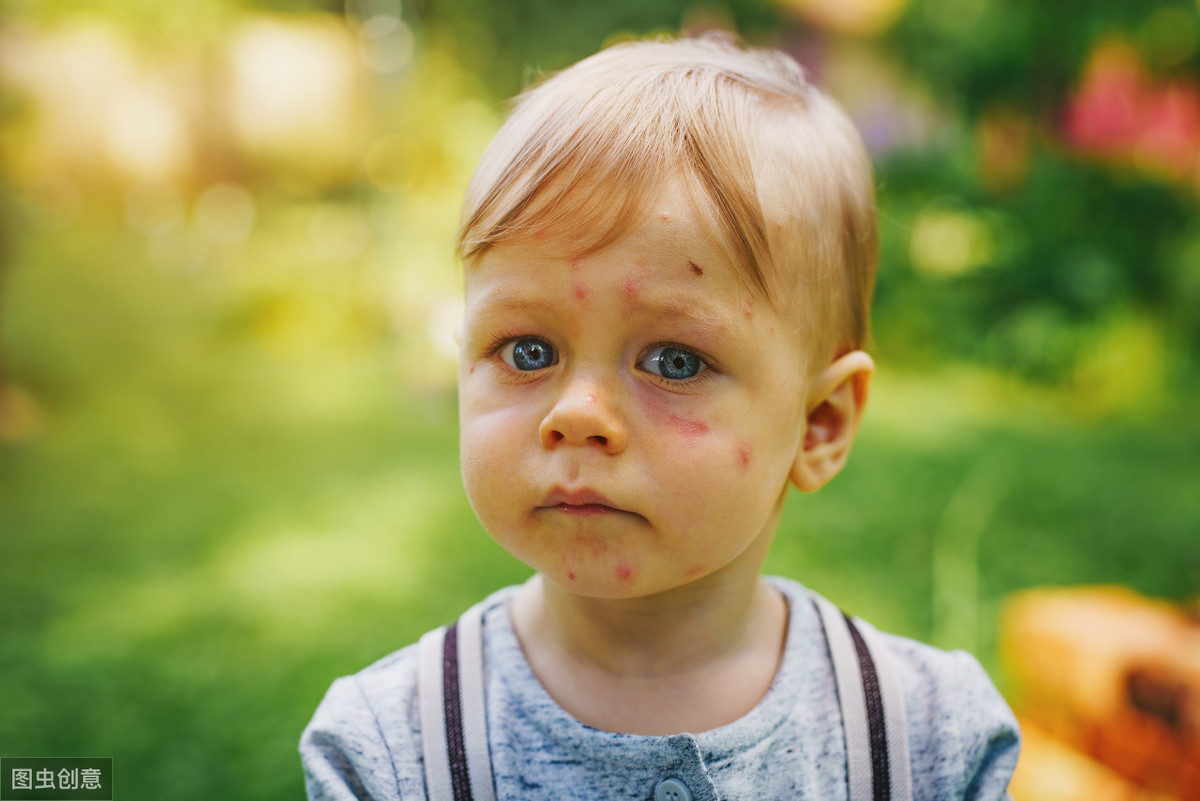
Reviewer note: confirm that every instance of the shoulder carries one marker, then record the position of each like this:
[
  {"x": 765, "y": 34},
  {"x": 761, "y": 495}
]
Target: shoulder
[
  {"x": 364, "y": 739},
  {"x": 963, "y": 737}
]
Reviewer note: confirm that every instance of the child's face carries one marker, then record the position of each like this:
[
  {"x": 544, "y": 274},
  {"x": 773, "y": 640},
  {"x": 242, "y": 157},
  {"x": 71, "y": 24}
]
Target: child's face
[{"x": 628, "y": 419}]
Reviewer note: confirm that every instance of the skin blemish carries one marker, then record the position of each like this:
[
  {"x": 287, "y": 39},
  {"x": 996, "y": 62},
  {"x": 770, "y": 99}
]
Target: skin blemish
[
  {"x": 748, "y": 307},
  {"x": 631, "y": 286},
  {"x": 624, "y": 571},
  {"x": 576, "y": 264},
  {"x": 664, "y": 216},
  {"x": 589, "y": 398},
  {"x": 694, "y": 571},
  {"x": 472, "y": 370},
  {"x": 743, "y": 455},
  {"x": 571, "y": 575},
  {"x": 687, "y": 426},
  {"x": 539, "y": 234},
  {"x": 661, "y": 414},
  {"x": 696, "y": 268},
  {"x": 580, "y": 291}
]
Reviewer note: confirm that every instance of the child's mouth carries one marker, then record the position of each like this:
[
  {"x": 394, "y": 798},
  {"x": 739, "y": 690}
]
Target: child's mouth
[
  {"x": 585, "y": 509},
  {"x": 582, "y": 502}
]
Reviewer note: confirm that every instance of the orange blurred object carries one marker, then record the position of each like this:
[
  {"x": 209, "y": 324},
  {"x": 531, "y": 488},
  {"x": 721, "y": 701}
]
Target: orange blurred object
[
  {"x": 1112, "y": 675},
  {"x": 1051, "y": 770}
]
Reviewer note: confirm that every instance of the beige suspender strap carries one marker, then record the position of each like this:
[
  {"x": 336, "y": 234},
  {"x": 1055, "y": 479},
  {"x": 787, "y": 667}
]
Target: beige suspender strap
[
  {"x": 872, "y": 704},
  {"x": 895, "y": 714},
  {"x": 458, "y": 765},
  {"x": 850, "y": 698},
  {"x": 438, "y": 785},
  {"x": 474, "y": 704}
]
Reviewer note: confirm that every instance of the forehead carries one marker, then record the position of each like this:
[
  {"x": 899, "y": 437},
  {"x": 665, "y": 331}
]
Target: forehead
[
  {"x": 605, "y": 227},
  {"x": 668, "y": 240}
]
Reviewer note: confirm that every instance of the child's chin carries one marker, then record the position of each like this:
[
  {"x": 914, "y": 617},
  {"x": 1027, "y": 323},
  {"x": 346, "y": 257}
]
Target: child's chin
[
  {"x": 596, "y": 584},
  {"x": 615, "y": 586}
]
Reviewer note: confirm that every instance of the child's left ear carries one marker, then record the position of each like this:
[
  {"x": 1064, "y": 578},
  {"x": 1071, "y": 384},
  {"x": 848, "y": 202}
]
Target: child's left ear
[{"x": 834, "y": 408}]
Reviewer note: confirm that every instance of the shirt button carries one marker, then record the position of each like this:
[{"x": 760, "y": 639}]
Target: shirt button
[{"x": 672, "y": 790}]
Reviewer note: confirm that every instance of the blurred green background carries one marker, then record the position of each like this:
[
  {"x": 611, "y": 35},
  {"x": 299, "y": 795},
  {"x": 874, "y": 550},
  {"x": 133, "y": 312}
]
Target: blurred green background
[{"x": 228, "y": 459}]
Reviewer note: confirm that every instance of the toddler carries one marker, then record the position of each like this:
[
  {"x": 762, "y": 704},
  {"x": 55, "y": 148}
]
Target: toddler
[{"x": 670, "y": 252}]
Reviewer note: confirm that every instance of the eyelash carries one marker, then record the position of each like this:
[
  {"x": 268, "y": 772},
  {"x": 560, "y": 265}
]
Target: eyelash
[
  {"x": 709, "y": 371},
  {"x": 500, "y": 341}
]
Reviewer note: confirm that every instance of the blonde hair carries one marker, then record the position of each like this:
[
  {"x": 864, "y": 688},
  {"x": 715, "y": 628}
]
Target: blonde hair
[{"x": 775, "y": 167}]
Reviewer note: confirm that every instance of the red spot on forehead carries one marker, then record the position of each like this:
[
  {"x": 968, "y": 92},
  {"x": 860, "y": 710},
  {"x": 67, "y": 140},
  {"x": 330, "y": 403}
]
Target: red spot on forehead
[
  {"x": 632, "y": 285},
  {"x": 696, "y": 268},
  {"x": 664, "y": 216},
  {"x": 580, "y": 291},
  {"x": 571, "y": 575},
  {"x": 624, "y": 571}
]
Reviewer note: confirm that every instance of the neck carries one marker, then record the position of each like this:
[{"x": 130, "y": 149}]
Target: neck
[
  {"x": 666, "y": 634},
  {"x": 636, "y": 665}
]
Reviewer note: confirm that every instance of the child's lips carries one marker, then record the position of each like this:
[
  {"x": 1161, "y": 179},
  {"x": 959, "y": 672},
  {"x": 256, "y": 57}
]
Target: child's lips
[{"x": 583, "y": 502}]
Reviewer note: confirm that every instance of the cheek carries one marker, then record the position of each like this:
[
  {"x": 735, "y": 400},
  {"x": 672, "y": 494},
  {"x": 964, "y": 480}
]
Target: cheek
[
  {"x": 691, "y": 429},
  {"x": 489, "y": 440}
]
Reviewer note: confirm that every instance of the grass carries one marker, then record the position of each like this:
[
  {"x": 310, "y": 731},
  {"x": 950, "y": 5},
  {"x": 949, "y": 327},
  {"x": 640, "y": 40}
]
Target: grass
[{"x": 226, "y": 495}]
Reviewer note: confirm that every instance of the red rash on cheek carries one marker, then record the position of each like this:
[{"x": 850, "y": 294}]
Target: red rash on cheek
[
  {"x": 571, "y": 575},
  {"x": 624, "y": 571},
  {"x": 743, "y": 455},
  {"x": 580, "y": 291},
  {"x": 687, "y": 426},
  {"x": 632, "y": 285}
]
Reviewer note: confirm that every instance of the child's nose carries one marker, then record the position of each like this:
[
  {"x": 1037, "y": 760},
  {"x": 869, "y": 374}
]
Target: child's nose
[{"x": 582, "y": 416}]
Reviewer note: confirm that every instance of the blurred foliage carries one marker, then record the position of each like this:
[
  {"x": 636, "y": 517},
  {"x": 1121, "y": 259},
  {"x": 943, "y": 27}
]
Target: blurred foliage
[{"x": 228, "y": 464}]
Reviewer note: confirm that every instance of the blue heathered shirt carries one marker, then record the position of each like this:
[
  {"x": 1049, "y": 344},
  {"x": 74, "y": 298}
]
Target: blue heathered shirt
[{"x": 364, "y": 742}]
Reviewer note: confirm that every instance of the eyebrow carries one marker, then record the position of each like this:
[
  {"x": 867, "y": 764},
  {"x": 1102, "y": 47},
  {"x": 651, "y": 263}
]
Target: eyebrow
[
  {"x": 508, "y": 300},
  {"x": 647, "y": 303},
  {"x": 682, "y": 308}
]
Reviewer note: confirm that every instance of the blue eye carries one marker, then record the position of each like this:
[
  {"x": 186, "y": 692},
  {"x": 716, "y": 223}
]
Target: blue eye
[
  {"x": 529, "y": 353},
  {"x": 673, "y": 362}
]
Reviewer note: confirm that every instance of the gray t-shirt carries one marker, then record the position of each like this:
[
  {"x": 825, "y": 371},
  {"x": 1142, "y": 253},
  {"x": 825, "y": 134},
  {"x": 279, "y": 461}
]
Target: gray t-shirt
[{"x": 364, "y": 742}]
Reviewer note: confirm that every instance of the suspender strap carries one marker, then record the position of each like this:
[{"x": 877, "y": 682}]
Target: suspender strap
[
  {"x": 872, "y": 706},
  {"x": 458, "y": 766}
]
